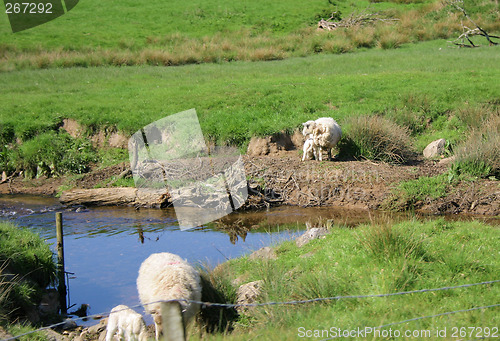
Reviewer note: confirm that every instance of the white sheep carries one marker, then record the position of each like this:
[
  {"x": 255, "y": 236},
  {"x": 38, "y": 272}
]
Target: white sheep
[
  {"x": 309, "y": 150},
  {"x": 165, "y": 276},
  {"x": 127, "y": 322},
  {"x": 326, "y": 134}
]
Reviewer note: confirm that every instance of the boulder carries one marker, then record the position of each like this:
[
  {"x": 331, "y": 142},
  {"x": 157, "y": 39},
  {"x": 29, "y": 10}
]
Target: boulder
[
  {"x": 314, "y": 233},
  {"x": 434, "y": 149},
  {"x": 248, "y": 293},
  {"x": 263, "y": 253}
]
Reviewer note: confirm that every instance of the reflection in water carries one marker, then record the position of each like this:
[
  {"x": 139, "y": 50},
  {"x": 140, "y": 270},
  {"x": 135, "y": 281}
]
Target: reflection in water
[{"x": 105, "y": 246}]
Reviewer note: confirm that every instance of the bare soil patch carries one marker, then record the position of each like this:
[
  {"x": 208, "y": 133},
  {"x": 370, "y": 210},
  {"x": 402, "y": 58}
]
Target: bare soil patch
[{"x": 281, "y": 178}]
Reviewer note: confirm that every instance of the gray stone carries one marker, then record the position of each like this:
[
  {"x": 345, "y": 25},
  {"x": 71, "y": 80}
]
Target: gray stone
[
  {"x": 263, "y": 253},
  {"x": 447, "y": 161},
  {"x": 314, "y": 233},
  {"x": 435, "y": 148},
  {"x": 248, "y": 293}
]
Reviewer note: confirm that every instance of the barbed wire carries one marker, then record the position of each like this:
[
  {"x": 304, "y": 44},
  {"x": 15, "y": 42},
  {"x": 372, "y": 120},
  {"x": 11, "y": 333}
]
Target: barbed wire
[{"x": 295, "y": 302}]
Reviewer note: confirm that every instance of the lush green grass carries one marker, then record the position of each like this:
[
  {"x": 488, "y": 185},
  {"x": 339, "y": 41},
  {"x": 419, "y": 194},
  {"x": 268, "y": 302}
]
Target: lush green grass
[
  {"x": 24, "y": 254},
  {"x": 407, "y": 193},
  {"x": 374, "y": 259},
  {"x": 237, "y": 100}
]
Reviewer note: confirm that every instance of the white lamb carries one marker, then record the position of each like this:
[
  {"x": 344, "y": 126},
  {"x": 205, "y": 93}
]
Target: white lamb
[
  {"x": 309, "y": 150},
  {"x": 127, "y": 322},
  {"x": 326, "y": 134},
  {"x": 165, "y": 276}
]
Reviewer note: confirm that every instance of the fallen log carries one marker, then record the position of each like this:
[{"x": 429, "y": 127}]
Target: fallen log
[{"x": 119, "y": 196}]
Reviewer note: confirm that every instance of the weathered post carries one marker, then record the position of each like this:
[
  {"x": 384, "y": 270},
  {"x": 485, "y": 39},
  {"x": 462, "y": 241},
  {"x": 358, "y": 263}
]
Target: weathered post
[
  {"x": 60, "y": 263},
  {"x": 172, "y": 322}
]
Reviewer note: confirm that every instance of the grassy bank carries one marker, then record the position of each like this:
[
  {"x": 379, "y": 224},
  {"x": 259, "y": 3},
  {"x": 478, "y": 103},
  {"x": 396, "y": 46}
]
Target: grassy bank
[
  {"x": 372, "y": 259},
  {"x": 26, "y": 269}
]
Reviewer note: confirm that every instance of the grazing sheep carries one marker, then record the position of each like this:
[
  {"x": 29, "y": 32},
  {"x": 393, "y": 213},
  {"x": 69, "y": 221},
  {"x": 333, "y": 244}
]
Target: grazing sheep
[
  {"x": 165, "y": 276},
  {"x": 309, "y": 150},
  {"x": 326, "y": 134},
  {"x": 127, "y": 322}
]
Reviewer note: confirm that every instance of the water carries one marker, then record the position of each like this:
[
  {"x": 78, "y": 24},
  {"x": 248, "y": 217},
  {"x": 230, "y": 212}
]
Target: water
[{"x": 104, "y": 246}]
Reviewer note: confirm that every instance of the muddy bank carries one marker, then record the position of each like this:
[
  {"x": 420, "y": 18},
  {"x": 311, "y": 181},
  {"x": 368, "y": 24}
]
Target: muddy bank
[{"x": 283, "y": 179}]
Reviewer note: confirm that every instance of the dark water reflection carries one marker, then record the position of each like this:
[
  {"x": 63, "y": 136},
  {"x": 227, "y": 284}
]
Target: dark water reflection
[{"x": 105, "y": 246}]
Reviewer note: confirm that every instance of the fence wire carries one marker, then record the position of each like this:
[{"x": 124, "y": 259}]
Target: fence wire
[{"x": 295, "y": 302}]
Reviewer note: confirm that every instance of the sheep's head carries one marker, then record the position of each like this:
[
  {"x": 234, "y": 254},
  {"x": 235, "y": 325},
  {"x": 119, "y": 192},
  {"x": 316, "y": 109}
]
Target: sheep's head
[{"x": 308, "y": 127}]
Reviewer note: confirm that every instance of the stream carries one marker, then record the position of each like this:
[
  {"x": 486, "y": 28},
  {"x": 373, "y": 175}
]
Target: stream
[{"x": 104, "y": 246}]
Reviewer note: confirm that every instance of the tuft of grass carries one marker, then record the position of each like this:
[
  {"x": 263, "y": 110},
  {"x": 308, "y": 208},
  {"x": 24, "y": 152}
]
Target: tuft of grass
[
  {"x": 376, "y": 138},
  {"x": 479, "y": 155},
  {"x": 216, "y": 289}
]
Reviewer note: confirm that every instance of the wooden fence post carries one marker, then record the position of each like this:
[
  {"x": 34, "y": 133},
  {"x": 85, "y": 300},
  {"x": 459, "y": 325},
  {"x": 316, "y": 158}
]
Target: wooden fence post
[
  {"x": 60, "y": 263},
  {"x": 172, "y": 322}
]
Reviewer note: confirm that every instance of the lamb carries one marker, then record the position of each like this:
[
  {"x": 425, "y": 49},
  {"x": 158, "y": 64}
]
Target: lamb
[
  {"x": 127, "y": 322},
  {"x": 165, "y": 276},
  {"x": 309, "y": 150},
  {"x": 326, "y": 134}
]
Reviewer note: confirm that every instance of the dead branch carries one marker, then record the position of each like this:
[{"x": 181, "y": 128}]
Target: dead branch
[
  {"x": 355, "y": 19},
  {"x": 478, "y": 31}
]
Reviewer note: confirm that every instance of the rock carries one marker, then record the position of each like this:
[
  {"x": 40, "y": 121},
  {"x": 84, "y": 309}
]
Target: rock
[
  {"x": 263, "y": 253},
  {"x": 69, "y": 324},
  {"x": 54, "y": 336},
  {"x": 98, "y": 328},
  {"x": 248, "y": 293},
  {"x": 446, "y": 161},
  {"x": 434, "y": 148},
  {"x": 314, "y": 233}
]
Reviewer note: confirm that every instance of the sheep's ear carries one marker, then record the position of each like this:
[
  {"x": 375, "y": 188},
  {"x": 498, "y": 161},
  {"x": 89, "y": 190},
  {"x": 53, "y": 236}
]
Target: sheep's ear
[{"x": 304, "y": 124}]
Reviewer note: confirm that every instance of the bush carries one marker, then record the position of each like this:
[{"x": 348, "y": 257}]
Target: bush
[
  {"x": 376, "y": 138},
  {"x": 479, "y": 155},
  {"x": 53, "y": 153}
]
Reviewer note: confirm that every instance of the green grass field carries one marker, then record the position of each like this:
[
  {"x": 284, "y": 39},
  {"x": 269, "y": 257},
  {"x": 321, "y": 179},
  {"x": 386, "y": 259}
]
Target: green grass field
[
  {"x": 372, "y": 259},
  {"x": 237, "y": 100}
]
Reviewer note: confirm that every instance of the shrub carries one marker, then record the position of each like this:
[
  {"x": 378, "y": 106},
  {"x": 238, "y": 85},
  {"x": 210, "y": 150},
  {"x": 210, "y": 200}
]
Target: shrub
[
  {"x": 376, "y": 138},
  {"x": 479, "y": 155},
  {"x": 54, "y": 153}
]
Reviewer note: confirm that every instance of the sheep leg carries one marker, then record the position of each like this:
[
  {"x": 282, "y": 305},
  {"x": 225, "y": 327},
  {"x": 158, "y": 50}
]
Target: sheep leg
[
  {"x": 330, "y": 154},
  {"x": 111, "y": 330}
]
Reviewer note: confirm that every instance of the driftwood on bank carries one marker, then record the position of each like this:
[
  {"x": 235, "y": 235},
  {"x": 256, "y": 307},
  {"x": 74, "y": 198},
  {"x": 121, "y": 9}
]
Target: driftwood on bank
[{"x": 121, "y": 196}]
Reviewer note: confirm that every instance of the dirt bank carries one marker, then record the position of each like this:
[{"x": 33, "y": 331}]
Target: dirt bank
[{"x": 283, "y": 179}]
